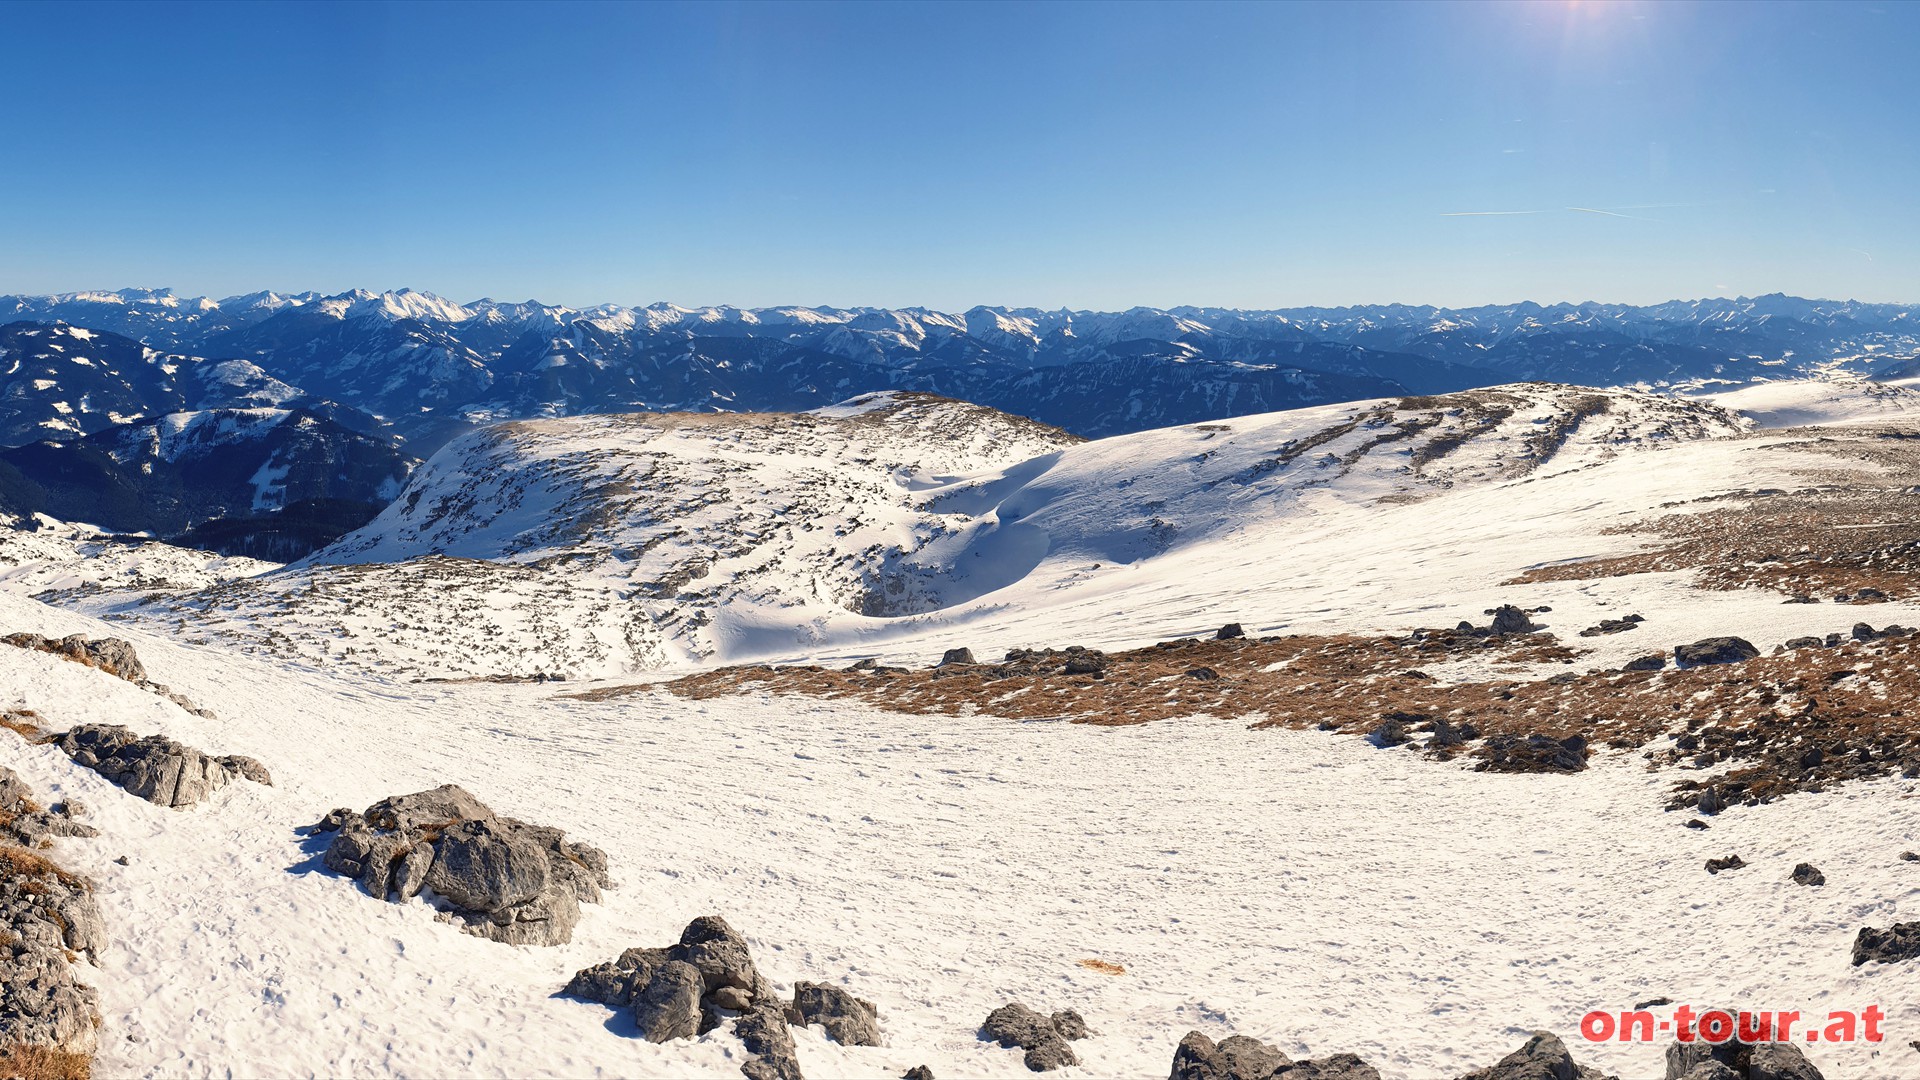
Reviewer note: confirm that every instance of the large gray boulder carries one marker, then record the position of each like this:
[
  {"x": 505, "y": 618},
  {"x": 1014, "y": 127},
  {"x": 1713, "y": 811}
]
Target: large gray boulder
[
  {"x": 153, "y": 767},
  {"x": 1543, "y": 1057},
  {"x": 1714, "y": 650},
  {"x": 1898, "y": 942},
  {"x": 1235, "y": 1057},
  {"x": 1736, "y": 1060},
  {"x": 668, "y": 1007},
  {"x": 497, "y": 877},
  {"x": 1044, "y": 1038},
  {"x": 848, "y": 1020},
  {"x": 692, "y": 987}
]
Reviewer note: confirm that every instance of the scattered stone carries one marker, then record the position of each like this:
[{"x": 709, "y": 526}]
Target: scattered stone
[
  {"x": 1544, "y": 1057},
  {"x": 1447, "y": 735},
  {"x": 1696, "y": 823},
  {"x": 1236, "y": 1057},
  {"x": 918, "y": 1072},
  {"x": 956, "y": 656},
  {"x": 1898, "y": 942},
  {"x": 1868, "y": 594},
  {"x": 1714, "y": 650},
  {"x": 1533, "y": 753},
  {"x": 1710, "y": 802},
  {"x": 1731, "y": 862},
  {"x": 1204, "y": 674},
  {"x": 1613, "y": 626},
  {"x": 1801, "y": 598},
  {"x": 1044, "y": 1038},
  {"x": 1649, "y": 662},
  {"x": 690, "y": 988},
  {"x": 153, "y": 767},
  {"x": 1508, "y": 619},
  {"x": 1391, "y": 732},
  {"x": 1803, "y": 643},
  {"x": 1231, "y": 630},
  {"x": 1806, "y": 874},
  {"x": 850, "y": 1021},
  {"x": 1910, "y": 856},
  {"x": 497, "y": 877},
  {"x": 1864, "y": 632},
  {"x": 1652, "y": 1003}
]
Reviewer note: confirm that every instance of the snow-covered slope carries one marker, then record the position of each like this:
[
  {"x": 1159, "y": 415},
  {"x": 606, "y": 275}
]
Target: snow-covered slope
[
  {"x": 1299, "y": 886},
  {"x": 592, "y": 546}
]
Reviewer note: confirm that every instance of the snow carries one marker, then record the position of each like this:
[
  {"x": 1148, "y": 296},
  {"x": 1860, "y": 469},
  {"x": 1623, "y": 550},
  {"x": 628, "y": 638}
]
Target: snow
[{"x": 1298, "y": 886}]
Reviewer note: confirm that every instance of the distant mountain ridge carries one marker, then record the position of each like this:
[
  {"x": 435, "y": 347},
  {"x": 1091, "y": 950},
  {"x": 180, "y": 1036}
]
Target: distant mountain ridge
[
  {"x": 397, "y": 374},
  {"x": 433, "y": 367}
]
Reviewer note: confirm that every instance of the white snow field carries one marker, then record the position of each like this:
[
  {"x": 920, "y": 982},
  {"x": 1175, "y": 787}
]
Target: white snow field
[{"x": 1301, "y": 887}]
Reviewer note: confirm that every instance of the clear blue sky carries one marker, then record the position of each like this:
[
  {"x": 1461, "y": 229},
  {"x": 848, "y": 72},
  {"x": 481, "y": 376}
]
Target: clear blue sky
[{"x": 951, "y": 154}]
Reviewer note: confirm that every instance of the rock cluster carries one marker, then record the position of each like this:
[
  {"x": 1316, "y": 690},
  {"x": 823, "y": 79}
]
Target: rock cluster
[
  {"x": 1714, "y": 650},
  {"x": 848, "y": 1020},
  {"x": 1898, "y": 942},
  {"x": 24, "y": 822},
  {"x": 46, "y": 915},
  {"x": 115, "y": 656},
  {"x": 1737, "y": 1060},
  {"x": 692, "y": 987},
  {"x": 1613, "y": 626},
  {"x": 497, "y": 877},
  {"x": 1238, "y": 1057},
  {"x": 1532, "y": 753},
  {"x": 1044, "y": 1038},
  {"x": 1544, "y": 1057},
  {"x": 156, "y": 768}
]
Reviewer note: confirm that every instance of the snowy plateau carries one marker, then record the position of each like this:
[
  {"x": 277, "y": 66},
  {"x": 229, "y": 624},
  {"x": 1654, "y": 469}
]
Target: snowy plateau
[{"x": 1402, "y": 727}]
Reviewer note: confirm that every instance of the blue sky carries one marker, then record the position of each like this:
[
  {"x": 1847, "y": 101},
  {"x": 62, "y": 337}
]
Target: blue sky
[{"x": 1090, "y": 156}]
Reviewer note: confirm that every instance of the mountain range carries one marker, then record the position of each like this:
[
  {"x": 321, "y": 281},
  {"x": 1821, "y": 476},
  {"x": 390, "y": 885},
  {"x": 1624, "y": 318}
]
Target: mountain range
[{"x": 395, "y": 375}]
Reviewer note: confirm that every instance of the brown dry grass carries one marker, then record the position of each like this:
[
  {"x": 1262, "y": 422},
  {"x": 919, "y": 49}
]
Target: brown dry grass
[
  {"x": 17, "y": 862},
  {"x": 1104, "y": 967},
  {"x": 24, "y": 723},
  {"x": 1854, "y": 530},
  {"x": 23, "y": 1062},
  {"x": 1859, "y": 703}
]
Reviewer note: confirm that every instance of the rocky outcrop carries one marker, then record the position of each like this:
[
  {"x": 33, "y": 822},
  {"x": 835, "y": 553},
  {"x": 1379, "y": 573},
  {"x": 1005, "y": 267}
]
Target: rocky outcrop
[
  {"x": 1508, "y": 619},
  {"x": 848, "y": 1020},
  {"x": 1898, "y": 942},
  {"x": 496, "y": 877},
  {"x": 25, "y": 822},
  {"x": 153, "y": 767},
  {"x": 1544, "y": 1057},
  {"x": 956, "y": 656},
  {"x": 1044, "y": 1038},
  {"x": 1808, "y": 874},
  {"x": 690, "y": 988},
  {"x": 1613, "y": 626},
  {"x": 1533, "y": 753},
  {"x": 1730, "y": 862},
  {"x": 1235, "y": 1057},
  {"x": 47, "y": 916},
  {"x": 1714, "y": 650},
  {"x": 1733, "y": 1059},
  {"x": 115, "y": 656}
]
